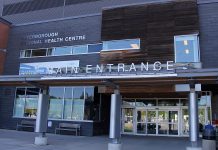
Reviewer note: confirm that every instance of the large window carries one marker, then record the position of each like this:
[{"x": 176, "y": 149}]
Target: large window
[
  {"x": 186, "y": 48},
  {"x": 121, "y": 44},
  {"x": 26, "y": 102},
  {"x": 67, "y": 103}
]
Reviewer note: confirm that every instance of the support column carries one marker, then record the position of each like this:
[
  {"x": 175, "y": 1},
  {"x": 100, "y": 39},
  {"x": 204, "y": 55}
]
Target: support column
[
  {"x": 193, "y": 120},
  {"x": 42, "y": 117},
  {"x": 115, "y": 124}
]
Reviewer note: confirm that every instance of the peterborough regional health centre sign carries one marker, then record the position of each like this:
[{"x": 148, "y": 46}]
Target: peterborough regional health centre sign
[{"x": 73, "y": 68}]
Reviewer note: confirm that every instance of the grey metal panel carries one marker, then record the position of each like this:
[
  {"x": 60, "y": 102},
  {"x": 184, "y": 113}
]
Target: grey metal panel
[
  {"x": 89, "y": 26},
  {"x": 72, "y": 10},
  {"x": 208, "y": 34}
]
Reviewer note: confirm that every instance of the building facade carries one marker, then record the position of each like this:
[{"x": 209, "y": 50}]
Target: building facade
[{"x": 151, "y": 49}]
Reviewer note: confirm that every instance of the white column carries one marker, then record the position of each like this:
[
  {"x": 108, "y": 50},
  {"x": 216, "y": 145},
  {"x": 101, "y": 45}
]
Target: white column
[
  {"x": 115, "y": 123},
  {"x": 41, "y": 118}
]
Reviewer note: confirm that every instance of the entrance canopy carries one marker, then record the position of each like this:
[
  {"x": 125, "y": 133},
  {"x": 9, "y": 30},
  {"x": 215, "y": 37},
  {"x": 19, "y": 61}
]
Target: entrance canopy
[{"x": 125, "y": 81}]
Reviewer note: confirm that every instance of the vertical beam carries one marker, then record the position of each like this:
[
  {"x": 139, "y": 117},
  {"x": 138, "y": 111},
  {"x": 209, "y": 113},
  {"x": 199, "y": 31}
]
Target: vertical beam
[
  {"x": 193, "y": 119},
  {"x": 42, "y": 118},
  {"x": 115, "y": 122}
]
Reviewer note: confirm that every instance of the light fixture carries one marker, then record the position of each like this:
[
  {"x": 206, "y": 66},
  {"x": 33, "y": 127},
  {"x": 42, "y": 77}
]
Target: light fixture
[
  {"x": 185, "y": 42},
  {"x": 187, "y": 51}
]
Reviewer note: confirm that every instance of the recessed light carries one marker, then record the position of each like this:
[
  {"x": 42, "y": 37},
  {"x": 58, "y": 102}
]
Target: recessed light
[
  {"x": 187, "y": 51},
  {"x": 185, "y": 42}
]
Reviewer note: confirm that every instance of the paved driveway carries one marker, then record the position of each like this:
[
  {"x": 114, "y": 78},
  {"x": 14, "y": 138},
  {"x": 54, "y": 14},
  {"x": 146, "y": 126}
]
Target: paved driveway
[{"x": 18, "y": 140}]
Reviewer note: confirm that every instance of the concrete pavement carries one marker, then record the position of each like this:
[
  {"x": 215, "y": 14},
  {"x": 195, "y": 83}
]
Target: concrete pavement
[{"x": 19, "y": 140}]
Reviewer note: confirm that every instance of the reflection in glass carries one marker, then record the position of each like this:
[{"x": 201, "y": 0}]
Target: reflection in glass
[
  {"x": 56, "y": 102},
  {"x": 95, "y": 48},
  {"x": 173, "y": 129},
  {"x": 68, "y": 101},
  {"x": 163, "y": 128},
  {"x": 78, "y": 103},
  {"x": 61, "y": 51},
  {"x": 151, "y": 116},
  {"x": 185, "y": 121},
  {"x": 81, "y": 49},
  {"x": 19, "y": 102},
  {"x": 121, "y": 44},
  {"x": 129, "y": 102},
  {"x": 186, "y": 48},
  {"x": 141, "y": 128},
  {"x": 39, "y": 52},
  {"x": 151, "y": 128},
  {"x": 128, "y": 120}
]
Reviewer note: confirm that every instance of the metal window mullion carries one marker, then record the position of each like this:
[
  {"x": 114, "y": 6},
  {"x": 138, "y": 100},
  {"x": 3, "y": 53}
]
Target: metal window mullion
[
  {"x": 72, "y": 103},
  {"x": 63, "y": 103}
]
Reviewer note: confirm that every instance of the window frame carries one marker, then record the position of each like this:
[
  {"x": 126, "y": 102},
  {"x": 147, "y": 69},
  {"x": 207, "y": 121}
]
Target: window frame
[{"x": 197, "y": 57}]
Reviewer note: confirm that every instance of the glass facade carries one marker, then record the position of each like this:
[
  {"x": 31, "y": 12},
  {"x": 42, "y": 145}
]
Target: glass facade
[
  {"x": 66, "y": 103},
  {"x": 186, "y": 48}
]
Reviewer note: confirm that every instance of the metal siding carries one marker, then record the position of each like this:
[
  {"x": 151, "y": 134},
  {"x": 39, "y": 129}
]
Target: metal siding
[{"x": 208, "y": 34}]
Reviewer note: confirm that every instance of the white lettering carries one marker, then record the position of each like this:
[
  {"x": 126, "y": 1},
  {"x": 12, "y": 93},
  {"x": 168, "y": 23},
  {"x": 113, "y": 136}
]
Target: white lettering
[
  {"x": 88, "y": 68},
  {"x": 110, "y": 67},
  {"x": 157, "y": 66},
  {"x": 170, "y": 65},
  {"x": 132, "y": 67},
  {"x": 121, "y": 66},
  {"x": 99, "y": 69},
  {"x": 143, "y": 66}
]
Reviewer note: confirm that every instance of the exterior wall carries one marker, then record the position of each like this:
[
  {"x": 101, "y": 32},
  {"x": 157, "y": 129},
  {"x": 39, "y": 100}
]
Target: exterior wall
[{"x": 208, "y": 34}]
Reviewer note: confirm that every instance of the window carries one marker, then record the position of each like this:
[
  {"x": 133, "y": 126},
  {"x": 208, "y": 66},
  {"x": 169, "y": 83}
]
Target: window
[
  {"x": 68, "y": 103},
  {"x": 81, "y": 49},
  {"x": 95, "y": 48},
  {"x": 186, "y": 48},
  {"x": 39, "y": 52},
  {"x": 62, "y": 51},
  {"x": 25, "y": 53},
  {"x": 26, "y": 102},
  {"x": 121, "y": 44}
]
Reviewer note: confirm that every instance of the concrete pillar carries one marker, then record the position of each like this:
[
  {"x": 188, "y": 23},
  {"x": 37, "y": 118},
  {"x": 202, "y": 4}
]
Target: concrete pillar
[
  {"x": 115, "y": 123},
  {"x": 41, "y": 118},
  {"x": 193, "y": 120}
]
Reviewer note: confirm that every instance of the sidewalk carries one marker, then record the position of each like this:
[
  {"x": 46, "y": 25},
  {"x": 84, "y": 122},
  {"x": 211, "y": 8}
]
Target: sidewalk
[{"x": 19, "y": 140}]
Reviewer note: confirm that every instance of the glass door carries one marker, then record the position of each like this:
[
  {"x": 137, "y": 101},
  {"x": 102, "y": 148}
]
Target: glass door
[
  {"x": 141, "y": 121},
  {"x": 128, "y": 120},
  {"x": 167, "y": 122},
  {"x": 151, "y": 122}
]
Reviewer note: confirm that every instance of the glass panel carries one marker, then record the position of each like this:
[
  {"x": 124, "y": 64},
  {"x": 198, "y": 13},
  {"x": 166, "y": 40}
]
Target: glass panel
[
  {"x": 173, "y": 116},
  {"x": 186, "y": 48},
  {"x": 151, "y": 116},
  {"x": 19, "y": 102},
  {"x": 121, "y": 44},
  {"x": 39, "y": 52},
  {"x": 151, "y": 102},
  {"x": 95, "y": 48},
  {"x": 141, "y": 128},
  {"x": 25, "y": 53},
  {"x": 168, "y": 102},
  {"x": 141, "y": 103},
  {"x": 173, "y": 129},
  {"x": 184, "y": 102},
  {"x": 78, "y": 109},
  {"x": 163, "y": 128},
  {"x": 78, "y": 103},
  {"x": 32, "y": 96},
  {"x": 49, "y": 51},
  {"x": 91, "y": 113},
  {"x": 185, "y": 122},
  {"x": 163, "y": 116},
  {"x": 56, "y": 102},
  {"x": 141, "y": 115},
  {"x": 151, "y": 128},
  {"x": 128, "y": 120},
  {"x": 82, "y": 49},
  {"x": 201, "y": 113},
  {"x": 129, "y": 102},
  {"x": 58, "y": 51},
  {"x": 68, "y": 101}
]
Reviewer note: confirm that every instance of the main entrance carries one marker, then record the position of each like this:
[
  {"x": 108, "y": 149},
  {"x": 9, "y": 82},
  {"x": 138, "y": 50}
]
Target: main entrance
[{"x": 163, "y": 119}]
